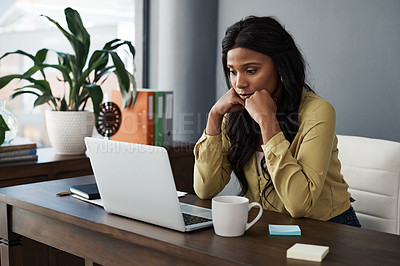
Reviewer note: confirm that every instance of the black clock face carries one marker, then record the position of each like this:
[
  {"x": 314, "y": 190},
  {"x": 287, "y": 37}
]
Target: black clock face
[{"x": 109, "y": 119}]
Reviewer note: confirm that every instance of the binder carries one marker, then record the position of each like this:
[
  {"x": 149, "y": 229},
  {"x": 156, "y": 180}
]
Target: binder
[
  {"x": 137, "y": 123},
  {"x": 159, "y": 118},
  {"x": 168, "y": 116}
]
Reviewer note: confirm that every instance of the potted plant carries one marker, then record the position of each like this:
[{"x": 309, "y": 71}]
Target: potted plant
[{"x": 83, "y": 76}]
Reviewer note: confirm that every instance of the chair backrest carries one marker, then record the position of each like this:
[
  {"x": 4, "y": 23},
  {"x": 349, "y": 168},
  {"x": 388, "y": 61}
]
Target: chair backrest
[{"x": 371, "y": 167}]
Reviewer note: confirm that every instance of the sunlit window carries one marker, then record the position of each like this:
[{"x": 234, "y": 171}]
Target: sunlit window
[{"x": 22, "y": 28}]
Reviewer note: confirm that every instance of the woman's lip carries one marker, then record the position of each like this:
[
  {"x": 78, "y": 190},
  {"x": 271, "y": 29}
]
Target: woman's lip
[{"x": 244, "y": 96}]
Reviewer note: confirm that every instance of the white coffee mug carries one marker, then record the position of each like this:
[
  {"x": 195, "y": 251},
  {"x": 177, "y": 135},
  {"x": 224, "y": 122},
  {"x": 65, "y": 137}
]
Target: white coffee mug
[{"x": 230, "y": 215}]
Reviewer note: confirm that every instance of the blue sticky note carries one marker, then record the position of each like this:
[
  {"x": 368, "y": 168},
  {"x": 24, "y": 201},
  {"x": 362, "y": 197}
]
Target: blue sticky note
[{"x": 284, "y": 230}]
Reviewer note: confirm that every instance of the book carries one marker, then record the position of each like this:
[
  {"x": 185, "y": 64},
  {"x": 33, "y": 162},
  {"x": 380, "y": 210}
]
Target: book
[
  {"x": 168, "y": 122},
  {"x": 87, "y": 191},
  {"x": 307, "y": 252},
  {"x": 137, "y": 123},
  {"x": 159, "y": 118},
  {"x": 17, "y": 144},
  {"x": 17, "y": 153},
  {"x": 18, "y": 158}
]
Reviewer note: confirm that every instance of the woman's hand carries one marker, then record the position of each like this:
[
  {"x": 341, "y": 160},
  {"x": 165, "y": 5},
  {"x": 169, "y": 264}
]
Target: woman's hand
[
  {"x": 230, "y": 102},
  {"x": 262, "y": 108}
]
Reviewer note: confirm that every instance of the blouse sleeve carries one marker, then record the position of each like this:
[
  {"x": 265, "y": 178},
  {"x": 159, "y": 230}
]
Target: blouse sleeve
[
  {"x": 298, "y": 179},
  {"x": 212, "y": 169}
]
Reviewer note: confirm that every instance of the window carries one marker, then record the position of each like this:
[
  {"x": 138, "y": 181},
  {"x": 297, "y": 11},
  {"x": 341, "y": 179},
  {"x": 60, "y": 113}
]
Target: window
[{"x": 22, "y": 28}]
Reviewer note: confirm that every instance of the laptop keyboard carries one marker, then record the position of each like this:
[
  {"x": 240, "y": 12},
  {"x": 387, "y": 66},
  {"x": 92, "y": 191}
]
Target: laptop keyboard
[{"x": 193, "y": 219}]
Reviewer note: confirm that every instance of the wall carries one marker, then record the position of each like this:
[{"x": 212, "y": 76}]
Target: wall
[
  {"x": 352, "y": 48},
  {"x": 182, "y": 59}
]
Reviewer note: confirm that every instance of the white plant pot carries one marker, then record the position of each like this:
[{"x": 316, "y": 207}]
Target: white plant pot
[{"x": 67, "y": 130}]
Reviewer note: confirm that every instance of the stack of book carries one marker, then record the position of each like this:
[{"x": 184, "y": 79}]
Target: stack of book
[
  {"x": 18, "y": 150},
  {"x": 149, "y": 121}
]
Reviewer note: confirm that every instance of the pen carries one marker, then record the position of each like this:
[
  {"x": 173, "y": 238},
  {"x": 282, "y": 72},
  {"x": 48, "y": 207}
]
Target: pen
[{"x": 62, "y": 194}]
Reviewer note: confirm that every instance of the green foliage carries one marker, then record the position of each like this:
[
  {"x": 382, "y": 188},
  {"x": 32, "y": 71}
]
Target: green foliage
[
  {"x": 3, "y": 129},
  {"x": 82, "y": 78}
]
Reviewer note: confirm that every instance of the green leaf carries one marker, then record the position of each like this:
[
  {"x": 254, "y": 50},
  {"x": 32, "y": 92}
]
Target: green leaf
[
  {"x": 71, "y": 63},
  {"x": 78, "y": 46},
  {"x": 43, "y": 99},
  {"x": 75, "y": 25},
  {"x": 123, "y": 79},
  {"x": 34, "y": 59},
  {"x": 96, "y": 94},
  {"x": 109, "y": 45},
  {"x": 97, "y": 62},
  {"x": 65, "y": 71},
  {"x": 33, "y": 86},
  {"x": 63, "y": 105},
  {"x": 104, "y": 71},
  {"x": 21, "y": 53},
  {"x": 3, "y": 129},
  {"x": 15, "y": 94},
  {"x": 3, "y": 124},
  {"x": 133, "y": 89},
  {"x": 62, "y": 58},
  {"x": 69, "y": 36},
  {"x": 99, "y": 58},
  {"x": 131, "y": 48},
  {"x": 7, "y": 79},
  {"x": 2, "y": 136},
  {"x": 42, "y": 85},
  {"x": 32, "y": 71},
  {"x": 41, "y": 55}
]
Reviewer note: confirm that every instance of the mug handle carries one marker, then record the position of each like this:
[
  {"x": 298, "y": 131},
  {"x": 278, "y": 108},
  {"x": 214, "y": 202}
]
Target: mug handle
[{"x": 260, "y": 212}]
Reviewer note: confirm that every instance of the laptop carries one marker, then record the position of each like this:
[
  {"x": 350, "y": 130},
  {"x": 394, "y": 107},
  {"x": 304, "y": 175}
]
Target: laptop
[{"x": 136, "y": 181}]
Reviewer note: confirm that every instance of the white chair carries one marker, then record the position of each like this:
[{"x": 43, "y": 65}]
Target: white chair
[{"x": 371, "y": 167}]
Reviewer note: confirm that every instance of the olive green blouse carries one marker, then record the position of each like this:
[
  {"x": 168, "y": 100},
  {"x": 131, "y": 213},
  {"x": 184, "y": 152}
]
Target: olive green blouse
[{"x": 305, "y": 174}]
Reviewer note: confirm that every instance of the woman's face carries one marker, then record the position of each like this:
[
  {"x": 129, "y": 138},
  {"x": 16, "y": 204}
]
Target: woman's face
[{"x": 251, "y": 71}]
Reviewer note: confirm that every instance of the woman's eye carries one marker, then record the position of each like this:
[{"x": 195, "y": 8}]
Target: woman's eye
[
  {"x": 232, "y": 72},
  {"x": 251, "y": 71}
]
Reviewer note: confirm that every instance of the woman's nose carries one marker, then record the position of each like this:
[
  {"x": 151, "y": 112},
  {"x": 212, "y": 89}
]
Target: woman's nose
[{"x": 241, "y": 81}]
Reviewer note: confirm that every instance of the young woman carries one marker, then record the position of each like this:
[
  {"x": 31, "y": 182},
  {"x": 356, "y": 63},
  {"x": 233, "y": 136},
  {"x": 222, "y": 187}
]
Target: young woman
[{"x": 272, "y": 130}]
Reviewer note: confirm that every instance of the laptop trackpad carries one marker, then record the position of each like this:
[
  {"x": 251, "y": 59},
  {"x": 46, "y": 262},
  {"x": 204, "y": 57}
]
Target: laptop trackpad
[{"x": 195, "y": 210}]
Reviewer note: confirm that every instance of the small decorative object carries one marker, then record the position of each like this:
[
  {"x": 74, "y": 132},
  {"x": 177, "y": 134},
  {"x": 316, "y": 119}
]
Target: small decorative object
[
  {"x": 109, "y": 119},
  {"x": 3, "y": 129},
  {"x": 82, "y": 75},
  {"x": 10, "y": 122}
]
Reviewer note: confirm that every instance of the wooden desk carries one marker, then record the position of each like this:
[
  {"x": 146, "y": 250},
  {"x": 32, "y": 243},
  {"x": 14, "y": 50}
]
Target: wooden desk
[
  {"x": 89, "y": 232},
  {"x": 51, "y": 166}
]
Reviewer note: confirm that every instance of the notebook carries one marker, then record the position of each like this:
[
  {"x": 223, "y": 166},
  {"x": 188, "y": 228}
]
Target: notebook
[
  {"x": 87, "y": 191},
  {"x": 136, "y": 181}
]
